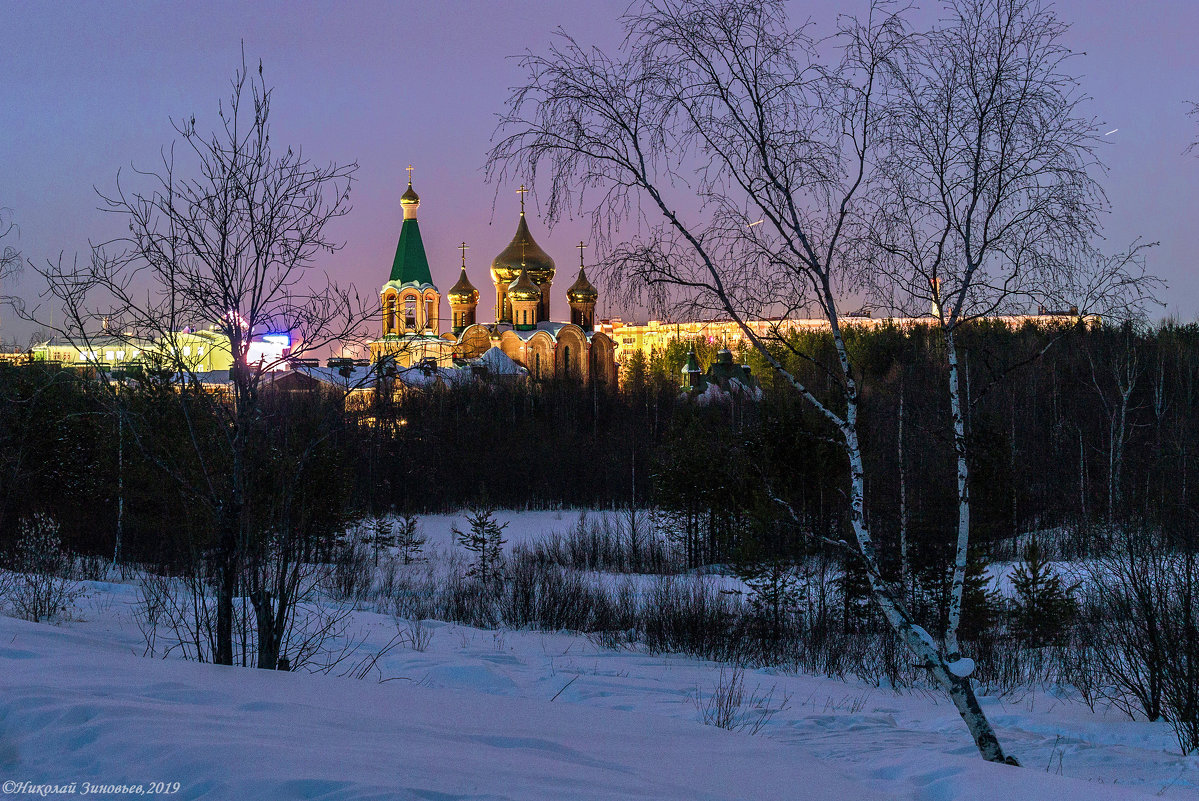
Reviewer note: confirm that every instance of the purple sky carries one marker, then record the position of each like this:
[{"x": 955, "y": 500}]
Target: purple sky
[{"x": 89, "y": 88}]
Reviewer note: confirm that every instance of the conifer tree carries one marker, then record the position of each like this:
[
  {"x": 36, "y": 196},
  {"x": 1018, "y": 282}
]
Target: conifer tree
[
  {"x": 774, "y": 589},
  {"x": 854, "y": 586},
  {"x": 381, "y": 535},
  {"x": 485, "y": 540},
  {"x": 1044, "y": 605},
  {"x": 980, "y": 602},
  {"x": 636, "y": 372},
  {"x": 409, "y": 541}
]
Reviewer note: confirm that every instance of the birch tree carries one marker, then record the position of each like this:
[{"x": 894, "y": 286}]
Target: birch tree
[
  {"x": 741, "y": 151},
  {"x": 990, "y": 200}
]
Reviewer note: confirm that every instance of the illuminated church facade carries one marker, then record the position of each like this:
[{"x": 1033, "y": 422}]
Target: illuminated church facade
[{"x": 523, "y": 330}]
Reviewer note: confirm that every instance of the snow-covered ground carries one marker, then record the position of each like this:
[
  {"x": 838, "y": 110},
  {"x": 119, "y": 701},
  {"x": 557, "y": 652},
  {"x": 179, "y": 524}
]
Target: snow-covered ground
[{"x": 524, "y": 715}]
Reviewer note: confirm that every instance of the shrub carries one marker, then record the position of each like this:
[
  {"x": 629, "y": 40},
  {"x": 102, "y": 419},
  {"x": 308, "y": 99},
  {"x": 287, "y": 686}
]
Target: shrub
[
  {"x": 38, "y": 588},
  {"x": 352, "y": 571},
  {"x": 729, "y": 707}
]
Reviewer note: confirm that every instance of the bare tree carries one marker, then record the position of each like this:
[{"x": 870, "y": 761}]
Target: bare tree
[
  {"x": 231, "y": 240},
  {"x": 10, "y": 257},
  {"x": 718, "y": 115},
  {"x": 990, "y": 200},
  {"x": 1114, "y": 377},
  {"x": 1194, "y": 112}
]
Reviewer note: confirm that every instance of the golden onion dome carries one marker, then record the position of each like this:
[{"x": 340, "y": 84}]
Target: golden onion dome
[
  {"x": 463, "y": 293},
  {"x": 582, "y": 291},
  {"x": 522, "y": 251},
  {"x": 410, "y": 198},
  {"x": 523, "y": 288}
]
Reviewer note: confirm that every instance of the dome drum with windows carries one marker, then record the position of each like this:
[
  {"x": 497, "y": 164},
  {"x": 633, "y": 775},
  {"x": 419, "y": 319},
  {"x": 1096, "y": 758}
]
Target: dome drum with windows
[{"x": 522, "y": 253}]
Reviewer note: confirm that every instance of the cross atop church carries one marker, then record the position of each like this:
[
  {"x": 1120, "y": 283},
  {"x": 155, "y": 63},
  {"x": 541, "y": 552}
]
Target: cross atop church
[
  {"x": 581, "y": 247},
  {"x": 410, "y": 175},
  {"x": 464, "y": 247},
  {"x": 522, "y": 191}
]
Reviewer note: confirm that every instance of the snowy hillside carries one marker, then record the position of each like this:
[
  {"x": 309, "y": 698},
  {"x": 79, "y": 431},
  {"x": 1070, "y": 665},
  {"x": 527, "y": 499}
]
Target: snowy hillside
[{"x": 523, "y": 715}]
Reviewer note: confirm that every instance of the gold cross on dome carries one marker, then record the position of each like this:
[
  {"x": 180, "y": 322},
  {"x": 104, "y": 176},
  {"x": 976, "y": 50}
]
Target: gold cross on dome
[
  {"x": 464, "y": 247},
  {"x": 410, "y": 175},
  {"x": 522, "y": 192},
  {"x": 580, "y": 246}
]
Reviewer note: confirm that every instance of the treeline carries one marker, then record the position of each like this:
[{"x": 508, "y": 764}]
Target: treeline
[{"x": 1070, "y": 429}]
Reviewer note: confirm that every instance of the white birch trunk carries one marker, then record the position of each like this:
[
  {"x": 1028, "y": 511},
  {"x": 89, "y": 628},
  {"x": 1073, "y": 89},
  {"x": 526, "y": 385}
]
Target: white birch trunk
[
  {"x": 905, "y": 565},
  {"x": 959, "y": 688},
  {"x": 958, "y": 584}
]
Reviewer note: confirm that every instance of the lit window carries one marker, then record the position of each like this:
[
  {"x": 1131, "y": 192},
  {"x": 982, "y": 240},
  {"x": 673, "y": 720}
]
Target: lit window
[
  {"x": 187, "y": 350},
  {"x": 108, "y": 355}
]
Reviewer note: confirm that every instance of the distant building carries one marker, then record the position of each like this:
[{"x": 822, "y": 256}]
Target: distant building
[
  {"x": 104, "y": 351},
  {"x": 656, "y": 334},
  {"x": 522, "y": 275},
  {"x": 197, "y": 351}
]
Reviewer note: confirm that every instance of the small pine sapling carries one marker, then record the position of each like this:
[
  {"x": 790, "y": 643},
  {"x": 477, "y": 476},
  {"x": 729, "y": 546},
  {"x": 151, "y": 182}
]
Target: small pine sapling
[
  {"x": 1044, "y": 605},
  {"x": 381, "y": 534},
  {"x": 774, "y": 590},
  {"x": 981, "y": 603},
  {"x": 854, "y": 587},
  {"x": 485, "y": 540},
  {"x": 409, "y": 540}
]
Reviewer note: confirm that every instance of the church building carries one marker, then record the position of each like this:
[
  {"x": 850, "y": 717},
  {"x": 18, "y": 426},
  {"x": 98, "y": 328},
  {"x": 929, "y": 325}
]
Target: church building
[{"x": 523, "y": 276}]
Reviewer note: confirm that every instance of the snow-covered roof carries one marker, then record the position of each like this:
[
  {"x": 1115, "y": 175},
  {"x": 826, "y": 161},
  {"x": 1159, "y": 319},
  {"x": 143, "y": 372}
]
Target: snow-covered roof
[
  {"x": 213, "y": 377},
  {"x": 422, "y": 376},
  {"x": 497, "y": 362},
  {"x": 344, "y": 378}
]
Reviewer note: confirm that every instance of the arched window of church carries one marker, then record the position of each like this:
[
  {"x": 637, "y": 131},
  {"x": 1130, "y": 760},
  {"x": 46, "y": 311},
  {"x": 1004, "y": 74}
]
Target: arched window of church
[
  {"x": 389, "y": 314},
  {"x": 410, "y": 312},
  {"x": 537, "y": 365},
  {"x": 429, "y": 313},
  {"x": 566, "y": 360}
]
